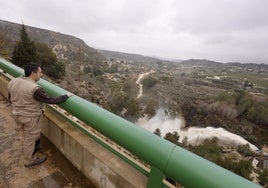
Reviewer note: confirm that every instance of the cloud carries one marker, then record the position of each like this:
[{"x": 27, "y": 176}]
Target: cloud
[{"x": 223, "y": 30}]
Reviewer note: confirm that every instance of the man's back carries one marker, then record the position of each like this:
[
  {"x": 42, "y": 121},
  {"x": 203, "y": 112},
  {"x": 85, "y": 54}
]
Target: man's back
[{"x": 21, "y": 91}]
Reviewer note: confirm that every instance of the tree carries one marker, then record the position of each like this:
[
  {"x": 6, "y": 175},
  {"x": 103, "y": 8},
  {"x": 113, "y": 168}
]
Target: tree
[
  {"x": 133, "y": 108},
  {"x": 87, "y": 69},
  {"x": 226, "y": 97},
  {"x": 48, "y": 61},
  {"x": 148, "y": 82},
  {"x": 263, "y": 177},
  {"x": 209, "y": 149},
  {"x": 118, "y": 102},
  {"x": 157, "y": 132},
  {"x": 3, "y": 45},
  {"x": 244, "y": 104},
  {"x": 242, "y": 168},
  {"x": 45, "y": 56},
  {"x": 173, "y": 137},
  {"x": 185, "y": 141},
  {"x": 258, "y": 113},
  {"x": 113, "y": 68},
  {"x": 150, "y": 109},
  {"x": 97, "y": 71},
  {"x": 245, "y": 150},
  {"x": 25, "y": 51},
  {"x": 56, "y": 70}
]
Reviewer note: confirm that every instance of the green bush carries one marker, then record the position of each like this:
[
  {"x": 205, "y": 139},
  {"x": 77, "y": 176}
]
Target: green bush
[
  {"x": 157, "y": 132},
  {"x": 209, "y": 149},
  {"x": 258, "y": 113},
  {"x": 24, "y": 52},
  {"x": 173, "y": 137},
  {"x": 118, "y": 102},
  {"x": 133, "y": 108},
  {"x": 263, "y": 177},
  {"x": 244, "y": 104},
  {"x": 151, "y": 107},
  {"x": 56, "y": 70},
  {"x": 245, "y": 150},
  {"x": 148, "y": 82},
  {"x": 226, "y": 97}
]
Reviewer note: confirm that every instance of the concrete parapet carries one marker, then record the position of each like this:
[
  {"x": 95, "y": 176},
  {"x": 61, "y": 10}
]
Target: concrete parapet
[{"x": 101, "y": 166}]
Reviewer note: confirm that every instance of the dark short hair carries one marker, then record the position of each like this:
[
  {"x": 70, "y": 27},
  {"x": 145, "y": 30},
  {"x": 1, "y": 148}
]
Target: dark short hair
[{"x": 29, "y": 68}]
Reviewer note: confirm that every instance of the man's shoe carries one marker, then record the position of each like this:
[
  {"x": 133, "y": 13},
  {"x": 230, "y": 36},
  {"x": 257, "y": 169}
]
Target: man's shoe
[{"x": 37, "y": 161}]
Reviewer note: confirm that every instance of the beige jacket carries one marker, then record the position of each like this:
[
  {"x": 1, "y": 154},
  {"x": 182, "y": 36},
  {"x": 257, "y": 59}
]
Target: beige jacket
[{"x": 21, "y": 92}]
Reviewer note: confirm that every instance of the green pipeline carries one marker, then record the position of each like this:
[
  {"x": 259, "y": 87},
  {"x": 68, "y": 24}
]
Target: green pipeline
[{"x": 175, "y": 162}]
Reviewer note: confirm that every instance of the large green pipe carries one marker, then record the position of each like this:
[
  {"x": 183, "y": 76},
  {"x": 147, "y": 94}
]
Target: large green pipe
[{"x": 177, "y": 163}]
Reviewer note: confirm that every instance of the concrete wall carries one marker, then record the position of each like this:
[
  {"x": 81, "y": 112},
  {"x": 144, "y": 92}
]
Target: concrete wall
[{"x": 101, "y": 166}]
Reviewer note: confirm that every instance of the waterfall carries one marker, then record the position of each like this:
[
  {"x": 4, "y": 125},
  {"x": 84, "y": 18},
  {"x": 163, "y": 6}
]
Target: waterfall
[{"x": 195, "y": 135}]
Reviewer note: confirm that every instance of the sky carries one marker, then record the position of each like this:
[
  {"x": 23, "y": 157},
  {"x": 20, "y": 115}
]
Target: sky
[{"x": 218, "y": 30}]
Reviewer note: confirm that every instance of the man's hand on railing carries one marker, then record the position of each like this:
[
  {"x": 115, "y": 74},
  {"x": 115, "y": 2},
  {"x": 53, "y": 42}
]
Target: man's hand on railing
[{"x": 69, "y": 94}]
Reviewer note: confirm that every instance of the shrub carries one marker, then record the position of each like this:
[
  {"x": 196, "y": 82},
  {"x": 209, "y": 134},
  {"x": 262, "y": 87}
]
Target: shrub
[
  {"x": 148, "y": 82},
  {"x": 245, "y": 150},
  {"x": 263, "y": 177}
]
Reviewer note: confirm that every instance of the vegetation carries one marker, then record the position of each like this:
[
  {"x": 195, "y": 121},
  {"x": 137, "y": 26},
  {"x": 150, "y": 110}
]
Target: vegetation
[
  {"x": 173, "y": 137},
  {"x": 211, "y": 151},
  {"x": 27, "y": 51},
  {"x": 157, "y": 132},
  {"x": 263, "y": 177},
  {"x": 151, "y": 107},
  {"x": 48, "y": 61},
  {"x": 247, "y": 106},
  {"x": 3, "y": 46},
  {"x": 244, "y": 150},
  {"x": 133, "y": 110},
  {"x": 118, "y": 102},
  {"x": 148, "y": 82}
]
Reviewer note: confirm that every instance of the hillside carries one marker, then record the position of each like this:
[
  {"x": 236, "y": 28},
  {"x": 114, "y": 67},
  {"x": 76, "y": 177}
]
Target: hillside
[
  {"x": 65, "y": 46},
  {"x": 120, "y": 56},
  {"x": 69, "y": 49}
]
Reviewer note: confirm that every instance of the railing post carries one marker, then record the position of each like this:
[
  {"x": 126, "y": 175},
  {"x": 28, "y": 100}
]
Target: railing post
[{"x": 155, "y": 178}]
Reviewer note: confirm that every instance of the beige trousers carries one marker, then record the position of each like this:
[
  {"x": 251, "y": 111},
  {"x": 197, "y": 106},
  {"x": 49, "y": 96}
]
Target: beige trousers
[{"x": 31, "y": 132}]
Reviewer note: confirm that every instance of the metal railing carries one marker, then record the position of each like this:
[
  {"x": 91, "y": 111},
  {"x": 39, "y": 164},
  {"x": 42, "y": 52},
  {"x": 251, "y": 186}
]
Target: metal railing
[{"x": 165, "y": 158}]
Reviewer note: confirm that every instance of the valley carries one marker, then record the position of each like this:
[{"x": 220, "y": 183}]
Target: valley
[{"x": 194, "y": 93}]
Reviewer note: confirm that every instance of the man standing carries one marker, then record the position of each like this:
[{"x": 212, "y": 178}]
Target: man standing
[{"x": 27, "y": 99}]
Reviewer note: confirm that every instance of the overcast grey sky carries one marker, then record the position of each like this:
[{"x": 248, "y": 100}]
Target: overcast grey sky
[{"x": 219, "y": 30}]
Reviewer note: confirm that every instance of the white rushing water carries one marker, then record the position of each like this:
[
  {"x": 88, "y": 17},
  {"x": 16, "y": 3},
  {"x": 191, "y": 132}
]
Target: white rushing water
[{"x": 195, "y": 135}]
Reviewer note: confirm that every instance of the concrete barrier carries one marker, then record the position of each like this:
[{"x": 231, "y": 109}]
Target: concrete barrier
[{"x": 101, "y": 166}]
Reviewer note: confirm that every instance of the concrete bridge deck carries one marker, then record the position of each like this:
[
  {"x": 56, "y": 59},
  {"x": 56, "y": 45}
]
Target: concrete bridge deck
[{"x": 56, "y": 172}]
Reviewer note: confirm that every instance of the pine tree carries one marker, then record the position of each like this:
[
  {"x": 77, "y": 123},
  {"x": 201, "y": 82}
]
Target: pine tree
[
  {"x": 3, "y": 46},
  {"x": 25, "y": 51}
]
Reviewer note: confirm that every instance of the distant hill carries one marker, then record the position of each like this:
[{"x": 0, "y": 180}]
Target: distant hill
[
  {"x": 203, "y": 62},
  {"x": 121, "y": 56},
  {"x": 65, "y": 46}
]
